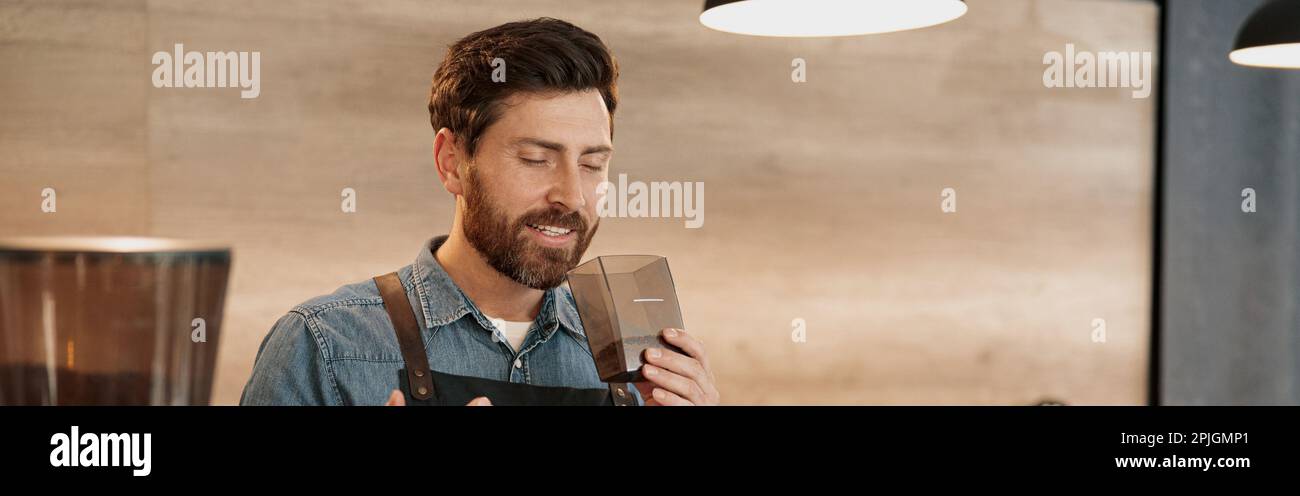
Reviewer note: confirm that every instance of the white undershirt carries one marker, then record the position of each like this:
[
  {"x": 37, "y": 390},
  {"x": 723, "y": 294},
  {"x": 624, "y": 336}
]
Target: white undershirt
[{"x": 515, "y": 332}]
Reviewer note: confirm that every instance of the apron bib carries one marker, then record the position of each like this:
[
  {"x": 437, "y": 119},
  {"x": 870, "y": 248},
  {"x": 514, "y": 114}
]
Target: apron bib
[{"x": 426, "y": 387}]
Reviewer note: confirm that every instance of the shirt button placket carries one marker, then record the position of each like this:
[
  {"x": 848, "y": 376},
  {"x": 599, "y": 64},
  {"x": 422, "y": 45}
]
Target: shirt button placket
[{"x": 517, "y": 372}]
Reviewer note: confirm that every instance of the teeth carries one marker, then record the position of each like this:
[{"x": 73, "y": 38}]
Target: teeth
[{"x": 551, "y": 230}]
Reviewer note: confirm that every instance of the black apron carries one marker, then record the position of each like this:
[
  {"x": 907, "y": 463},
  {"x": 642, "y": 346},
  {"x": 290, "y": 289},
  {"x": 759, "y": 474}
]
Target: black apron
[{"x": 425, "y": 386}]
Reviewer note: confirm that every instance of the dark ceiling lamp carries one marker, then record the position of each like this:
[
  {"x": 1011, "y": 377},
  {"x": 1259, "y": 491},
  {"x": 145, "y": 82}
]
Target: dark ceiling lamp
[
  {"x": 814, "y": 18},
  {"x": 1270, "y": 37}
]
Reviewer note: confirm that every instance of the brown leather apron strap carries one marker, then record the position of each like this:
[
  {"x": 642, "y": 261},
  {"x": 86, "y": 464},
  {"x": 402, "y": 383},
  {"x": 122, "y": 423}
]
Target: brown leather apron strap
[
  {"x": 621, "y": 395},
  {"x": 408, "y": 335}
]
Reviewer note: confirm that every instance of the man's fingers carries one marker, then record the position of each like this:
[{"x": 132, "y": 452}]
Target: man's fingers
[
  {"x": 667, "y": 398},
  {"x": 652, "y": 395},
  {"x": 689, "y": 368},
  {"x": 396, "y": 399},
  {"x": 678, "y": 363},
  {"x": 681, "y": 386},
  {"x": 688, "y": 343},
  {"x": 480, "y": 401},
  {"x": 693, "y": 363}
]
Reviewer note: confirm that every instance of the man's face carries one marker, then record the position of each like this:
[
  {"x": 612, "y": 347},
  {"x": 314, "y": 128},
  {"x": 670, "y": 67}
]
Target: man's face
[{"x": 531, "y": 191}]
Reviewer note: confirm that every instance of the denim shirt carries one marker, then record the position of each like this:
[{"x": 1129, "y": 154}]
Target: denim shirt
[{"x": 340, "y": 349}]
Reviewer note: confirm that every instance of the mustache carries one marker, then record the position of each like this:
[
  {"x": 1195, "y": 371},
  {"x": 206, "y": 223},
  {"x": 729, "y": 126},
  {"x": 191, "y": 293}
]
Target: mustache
[{"x": 568, "y": 220}]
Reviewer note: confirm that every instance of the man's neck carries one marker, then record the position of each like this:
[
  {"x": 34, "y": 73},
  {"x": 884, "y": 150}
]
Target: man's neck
[{"x": 491, "y": 291}]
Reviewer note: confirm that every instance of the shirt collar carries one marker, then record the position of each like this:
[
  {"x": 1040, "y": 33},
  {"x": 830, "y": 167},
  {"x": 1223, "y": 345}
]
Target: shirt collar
[{"x": 443, "y": 302}]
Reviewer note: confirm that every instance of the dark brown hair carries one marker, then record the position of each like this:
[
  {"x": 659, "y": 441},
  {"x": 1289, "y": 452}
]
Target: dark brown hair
[{"x": 540, "y": 55}]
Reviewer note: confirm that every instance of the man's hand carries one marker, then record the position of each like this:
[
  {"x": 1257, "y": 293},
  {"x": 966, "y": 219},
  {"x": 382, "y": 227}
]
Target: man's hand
[
  {"x": 676, "y": 379},
  {"x": 398, "y": 399}
]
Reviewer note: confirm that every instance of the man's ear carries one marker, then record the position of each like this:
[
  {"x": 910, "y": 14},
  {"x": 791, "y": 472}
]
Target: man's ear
[{"x": 448, "y": 157}]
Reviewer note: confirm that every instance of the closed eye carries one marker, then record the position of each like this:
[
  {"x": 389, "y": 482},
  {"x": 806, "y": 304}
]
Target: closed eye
[{"x": 532, "y": 162}]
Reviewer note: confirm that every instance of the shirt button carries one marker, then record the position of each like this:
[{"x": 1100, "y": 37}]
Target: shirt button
[{"x": 519, "y": 364}]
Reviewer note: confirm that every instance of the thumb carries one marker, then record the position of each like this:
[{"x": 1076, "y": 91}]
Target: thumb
[
  {"x": 396, "y": 399},
  {"x": 480, "y": 401}
]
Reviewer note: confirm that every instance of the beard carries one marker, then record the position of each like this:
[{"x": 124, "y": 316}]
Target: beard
[{"x": 506, "y": 244}]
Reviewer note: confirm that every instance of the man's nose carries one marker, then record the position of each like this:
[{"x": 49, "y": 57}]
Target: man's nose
[{"x": 566, "y": 191}]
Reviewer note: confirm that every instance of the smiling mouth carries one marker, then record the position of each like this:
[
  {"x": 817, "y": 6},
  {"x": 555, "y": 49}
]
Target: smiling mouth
[{"x": 550, "y": 231}]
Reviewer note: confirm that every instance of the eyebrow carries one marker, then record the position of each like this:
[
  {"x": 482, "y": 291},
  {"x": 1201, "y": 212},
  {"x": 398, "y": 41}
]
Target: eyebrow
[{"x": 559, "y": 147}]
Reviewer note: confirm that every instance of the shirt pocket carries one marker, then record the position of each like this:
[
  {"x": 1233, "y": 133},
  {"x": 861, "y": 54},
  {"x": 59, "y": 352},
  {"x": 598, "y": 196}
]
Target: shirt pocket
[{"x": 364, "y": 381}]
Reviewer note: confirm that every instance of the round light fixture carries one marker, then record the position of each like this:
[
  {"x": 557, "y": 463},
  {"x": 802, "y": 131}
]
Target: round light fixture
[
  {"x": 815, "y": 18},
  {"x": 1270, "y": 37}
]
